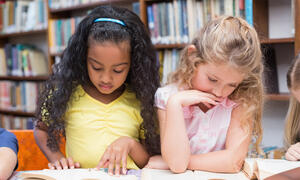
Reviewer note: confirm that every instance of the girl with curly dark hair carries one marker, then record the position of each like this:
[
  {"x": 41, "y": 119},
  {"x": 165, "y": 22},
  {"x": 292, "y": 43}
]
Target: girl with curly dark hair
[{"x": 101, "y": 95}]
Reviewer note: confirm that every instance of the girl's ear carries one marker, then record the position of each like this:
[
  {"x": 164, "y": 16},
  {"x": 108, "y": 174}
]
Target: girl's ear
[{"x": 191, "y": 49}]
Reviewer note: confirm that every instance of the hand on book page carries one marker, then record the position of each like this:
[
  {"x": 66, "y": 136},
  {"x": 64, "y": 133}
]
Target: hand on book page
[
  {"x": 72, "y": 174},
  {"x": 156, "y": 174},
  {"x": 263, "y": 168}
]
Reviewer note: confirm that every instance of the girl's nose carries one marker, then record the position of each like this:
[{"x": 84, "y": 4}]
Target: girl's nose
[{"x": 106, "y": 77}]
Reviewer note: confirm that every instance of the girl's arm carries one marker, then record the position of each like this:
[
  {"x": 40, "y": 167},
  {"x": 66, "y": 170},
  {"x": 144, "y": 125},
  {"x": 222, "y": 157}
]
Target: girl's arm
[
  {"x": 232, "y": 158},
  {"x": 175, "y": 148},
  {"x": 57, "y": 159},
  {"x": 8, "y": 162},
  {"x": 138, "y": 153},
  {"x": 41, "y": 138}
]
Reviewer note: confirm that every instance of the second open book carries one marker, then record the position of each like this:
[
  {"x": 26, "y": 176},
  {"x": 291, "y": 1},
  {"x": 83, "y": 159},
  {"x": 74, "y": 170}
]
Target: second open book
[{"x": 253, "y": 169}]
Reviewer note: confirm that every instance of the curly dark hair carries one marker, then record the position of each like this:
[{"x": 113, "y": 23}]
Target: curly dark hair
[{"x": 143, "y": 76}]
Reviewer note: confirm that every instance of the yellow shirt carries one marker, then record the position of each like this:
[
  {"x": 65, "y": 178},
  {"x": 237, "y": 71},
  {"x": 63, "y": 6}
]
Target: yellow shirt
[{"x": 91, "y": 126}]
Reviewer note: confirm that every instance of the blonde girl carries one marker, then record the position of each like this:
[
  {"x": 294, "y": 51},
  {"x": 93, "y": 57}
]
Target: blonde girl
[
  {"x": 212, "y": 104},
  {"x": 292, "y": 127}
]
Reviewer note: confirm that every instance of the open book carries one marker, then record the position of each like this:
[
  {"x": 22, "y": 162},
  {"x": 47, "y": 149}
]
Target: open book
[
  {"x": 263, "y": 168},
  {"x": 253, "y": 169},
  {"x": 72, "y": 174}
]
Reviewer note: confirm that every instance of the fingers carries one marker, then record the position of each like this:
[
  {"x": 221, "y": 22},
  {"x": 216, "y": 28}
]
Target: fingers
[
  {"x": 64, "y": 163},
  {"x": 55, "y": 165},
  {"x": 103, "y": 161},
  {"x": 293, "y": 153},
  {"x": 71, "y": 163},
  {"x": 191, "y": 97},
  {"x": 113, "y": 160},
  {"x": 117, "y": 167},
  {"x": 111, "y": 164},
  {"x": 77, "y": 165},
  {"x": 124, "y": 163},
  {"x": 51, "y": 166}
]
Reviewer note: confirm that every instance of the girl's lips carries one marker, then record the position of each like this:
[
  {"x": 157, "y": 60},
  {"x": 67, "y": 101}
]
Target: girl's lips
[{"x": 105, "y": 87}]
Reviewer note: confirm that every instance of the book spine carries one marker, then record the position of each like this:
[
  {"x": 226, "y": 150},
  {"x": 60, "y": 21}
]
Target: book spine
[{"x": 249, "y": 11}]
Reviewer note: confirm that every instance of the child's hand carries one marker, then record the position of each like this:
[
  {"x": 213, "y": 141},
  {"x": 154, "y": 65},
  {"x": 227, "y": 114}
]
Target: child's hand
[
  {"x": 116, "y": 155},
  {"x": 157, "y": 162},
  {"x": 64, "y": 163},
  {"x": 293, "y": 153},
  {"x": 191, "y": 97}
]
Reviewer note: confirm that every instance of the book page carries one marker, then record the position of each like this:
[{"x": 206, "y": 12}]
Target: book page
[
  {"x": 74, "y": 174},
  {"x": 249, "y": 168},
  {"x": 158, "y": 174},
  {"x": 204, "y": 175},
  {"x": 269, "y": 167}
]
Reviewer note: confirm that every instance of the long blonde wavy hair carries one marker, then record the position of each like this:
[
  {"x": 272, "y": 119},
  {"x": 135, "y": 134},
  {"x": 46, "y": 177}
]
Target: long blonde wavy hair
[
  {"x": 230, "y": 40},
  {"x": 292, "y": 126}
]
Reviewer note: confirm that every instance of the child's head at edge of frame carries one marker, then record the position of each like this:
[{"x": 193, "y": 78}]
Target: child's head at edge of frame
[
  {"x": 229, "y": 46},
  {"x": 292, "y": 127},
  {"x": 106, "y": 27}
]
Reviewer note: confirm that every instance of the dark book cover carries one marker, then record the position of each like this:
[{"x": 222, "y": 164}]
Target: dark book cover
[{"x": 270, "y": 76}]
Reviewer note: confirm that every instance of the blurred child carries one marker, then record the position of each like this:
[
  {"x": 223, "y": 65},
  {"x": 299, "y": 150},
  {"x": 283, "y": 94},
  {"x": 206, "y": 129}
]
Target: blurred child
[
  {"x": 292, "y": 127},
  {"x": 8, "y": 153}
]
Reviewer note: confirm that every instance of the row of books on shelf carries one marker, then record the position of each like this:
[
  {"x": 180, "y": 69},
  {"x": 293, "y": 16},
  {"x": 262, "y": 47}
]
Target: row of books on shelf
[
  {"x": 14, "y": 122},
  {"x": 56, "y": 4},
  {"x": 60, "y": 32},
  {"x": 177, "y": 21},
  {"x": 20, "y": 96},
  {"x": 22, "y": 60},
  {"x": 23, "y": 15},
  {"x": 168, "y": 60}
]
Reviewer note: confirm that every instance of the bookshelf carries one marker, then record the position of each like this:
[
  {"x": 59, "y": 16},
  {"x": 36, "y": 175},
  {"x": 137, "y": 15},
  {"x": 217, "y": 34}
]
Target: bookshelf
[
  {"x": 261, "y": 23},
  {"x": 25, "y": 35}
]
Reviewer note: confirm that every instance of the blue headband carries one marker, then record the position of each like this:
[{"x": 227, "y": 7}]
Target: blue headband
[{"x": 109, "y": 20}]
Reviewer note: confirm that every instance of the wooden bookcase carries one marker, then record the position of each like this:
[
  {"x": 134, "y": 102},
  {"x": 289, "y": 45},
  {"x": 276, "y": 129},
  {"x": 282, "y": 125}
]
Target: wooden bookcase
[
  {"x": 261, "y": 24},
  {"x": 260, "y": 19},
  {"x": 6, "y": 38}
]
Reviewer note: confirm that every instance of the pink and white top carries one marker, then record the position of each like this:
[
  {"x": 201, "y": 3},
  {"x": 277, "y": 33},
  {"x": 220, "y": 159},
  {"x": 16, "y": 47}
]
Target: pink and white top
[{"x": 206, "y": 131}]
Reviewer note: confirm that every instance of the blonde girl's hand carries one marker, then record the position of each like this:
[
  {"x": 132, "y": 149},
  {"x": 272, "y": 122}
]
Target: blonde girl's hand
[
  {"x": 157, "y": 162},
  {"x": 64, "y": 163},
  {"x": 115, "y": 155},
  {"x": 293, "y": 153},
  {"x": 191, "y": 97}
]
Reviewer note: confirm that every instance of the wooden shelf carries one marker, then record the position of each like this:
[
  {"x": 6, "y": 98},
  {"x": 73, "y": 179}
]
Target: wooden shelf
[
  {"x": 24, "y": 78},
  {"x": 87, "y": 5},
  {"x": 278, "y": 97},
  {"x": 169, "y": 46},
  {"x": 17, "y": 113},
  {"x": 277, "y": 41},
  {"x": 23, "y": 33},
  {"x": 56, "y": 54}
]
